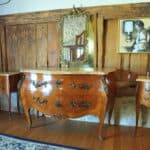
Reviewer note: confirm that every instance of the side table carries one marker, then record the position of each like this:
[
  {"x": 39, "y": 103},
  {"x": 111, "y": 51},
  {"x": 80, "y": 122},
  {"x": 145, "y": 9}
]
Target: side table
[
  {"x": 8, "y": 84},
  {"x": 143, "y": 95}
]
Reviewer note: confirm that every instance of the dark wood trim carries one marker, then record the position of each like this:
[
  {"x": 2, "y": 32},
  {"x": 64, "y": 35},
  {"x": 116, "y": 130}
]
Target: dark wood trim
[
  {"x": 1, "y": 54},
  {"x": 6, "y": 58},
  {"x": 108, "y": 12}
]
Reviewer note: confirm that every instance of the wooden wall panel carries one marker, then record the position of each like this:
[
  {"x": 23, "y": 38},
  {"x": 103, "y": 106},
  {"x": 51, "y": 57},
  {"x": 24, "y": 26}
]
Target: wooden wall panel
[
  {"x": 1, "y": 43},
  {"x": 42, "y": 40},
  {"x": 126, "y": 58},
  {"x": 12, "y": 51},
  {"x": 3, "y": 55},
  {"x": 1, "y": 61},
  {"x": 108, "y": 12},
  {"x": 21, "y": 46},
  {"x": 100, "y": 36},
  {"x": 139, "y": 63},
  {"x": 33, "y": 39},
  {"x": 112, "y": 58},
  {"x": 54, "y": 37},
  {"x": 28, "y": 45}
]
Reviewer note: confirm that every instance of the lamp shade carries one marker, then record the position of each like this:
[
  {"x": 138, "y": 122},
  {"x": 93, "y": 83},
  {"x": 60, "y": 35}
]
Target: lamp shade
[{"x": 128, "y": 26}]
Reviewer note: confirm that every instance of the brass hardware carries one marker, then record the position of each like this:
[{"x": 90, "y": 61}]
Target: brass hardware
[
  {"x": 73, "y": 85},
  {"x": 58, "y": 104},
  {"x": 84, "y": 86},
  {"x": 39, "y": 84},
  {"x": 59, "y": 82},
  {"x": 74, "y": 104},
  {"x": 80, "y": 104},
  {"x": 85, "y": 104},
  {"x": 39, "y": 100}
]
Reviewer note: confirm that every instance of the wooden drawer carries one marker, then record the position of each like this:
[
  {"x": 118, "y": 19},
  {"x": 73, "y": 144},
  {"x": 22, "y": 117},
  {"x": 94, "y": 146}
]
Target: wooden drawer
[
  {"x": 65, "y": 83},
  {"x": 3, "y": 84},
  {"x": 72, "y": 105},
  {"x": 81, "y": 84},
  {"x": 77, "y": 104}
]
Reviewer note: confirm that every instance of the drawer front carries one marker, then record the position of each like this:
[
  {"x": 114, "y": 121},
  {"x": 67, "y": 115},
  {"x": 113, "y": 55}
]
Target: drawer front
[
  {"x": 72, "y": 105},
  {"x": 3, "y": 84},
  {"x": 81, "y": 84},
  {"x": 77, "y": 104},
  {"x": 65, "y": 83}
]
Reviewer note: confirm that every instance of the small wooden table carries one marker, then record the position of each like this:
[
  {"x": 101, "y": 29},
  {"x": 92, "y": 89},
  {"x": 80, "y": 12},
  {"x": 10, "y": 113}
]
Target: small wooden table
[
  {"x": 8, "y": 84},
  {"x": 143, "y": 94}
]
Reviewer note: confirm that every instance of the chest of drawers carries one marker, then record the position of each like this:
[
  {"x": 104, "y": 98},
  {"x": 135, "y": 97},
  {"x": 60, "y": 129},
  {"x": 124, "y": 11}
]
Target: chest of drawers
[{"x": 64, "y": 95}]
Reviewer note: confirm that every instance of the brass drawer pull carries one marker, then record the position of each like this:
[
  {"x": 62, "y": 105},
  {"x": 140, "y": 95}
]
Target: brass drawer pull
[
  {"x": 73, "y": 85},
  {"x": 80, "y": 104},
  {"x": 84, "y": 86},
  {"x": 58, "y": 104},
  {"x": 58, "y": 82},
  {"x": 39, "y": 100},
  {"x": 74, "y": 104},
  {"x": 85, "y": 104},
  {"x": 39, "y": 84}
]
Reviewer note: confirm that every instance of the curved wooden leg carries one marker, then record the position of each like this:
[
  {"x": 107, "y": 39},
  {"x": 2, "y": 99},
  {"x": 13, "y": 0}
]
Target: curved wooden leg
[
  {"x": 111, "y": 107},
  {"x": 27, "y": 113},
  {"x": 18, "y": 102},
  {"x": 37, "y": 114},
  {"x": 100, "y": 136},
  {"x": 9, "y": 104},
  {"x": 101, "y": 117},
  {"x": 137, "y": 118}
]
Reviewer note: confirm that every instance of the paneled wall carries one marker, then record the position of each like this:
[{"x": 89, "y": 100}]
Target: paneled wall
[
  {"x": 32, "y": 45},
  {"x": 33, "y": 40}
]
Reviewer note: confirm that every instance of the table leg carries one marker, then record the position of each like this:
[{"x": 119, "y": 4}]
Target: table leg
[
  {"x": 18, "y": 102},
  {"x": 9, "y": 104}
]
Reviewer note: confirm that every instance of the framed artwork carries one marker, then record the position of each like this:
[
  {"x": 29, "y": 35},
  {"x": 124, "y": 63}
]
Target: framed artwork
[{"x": 134, "y": 35}]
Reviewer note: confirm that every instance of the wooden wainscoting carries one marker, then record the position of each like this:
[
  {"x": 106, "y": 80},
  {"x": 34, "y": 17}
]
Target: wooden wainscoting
[{"x": 33, "y": 39}]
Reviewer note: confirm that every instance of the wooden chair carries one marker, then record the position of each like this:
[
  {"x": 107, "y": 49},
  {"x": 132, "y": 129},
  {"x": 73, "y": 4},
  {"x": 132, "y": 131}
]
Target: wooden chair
[{"x": 120, "y": 83}]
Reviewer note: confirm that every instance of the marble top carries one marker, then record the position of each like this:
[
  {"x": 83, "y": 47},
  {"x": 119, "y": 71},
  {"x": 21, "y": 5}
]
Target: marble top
[
  {"x": 143, "y": 78},
  {"x": 96, "y": 71},
  {"x": 8, "y": 73}
]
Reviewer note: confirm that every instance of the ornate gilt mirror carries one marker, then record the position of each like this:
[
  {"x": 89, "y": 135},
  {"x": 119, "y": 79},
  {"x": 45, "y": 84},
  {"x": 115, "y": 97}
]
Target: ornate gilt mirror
[{"x": 75, "y": 44}]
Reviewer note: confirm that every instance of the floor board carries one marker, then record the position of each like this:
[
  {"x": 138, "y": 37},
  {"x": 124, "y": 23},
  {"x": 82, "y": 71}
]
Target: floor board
[{"x": 75, "y": 133}]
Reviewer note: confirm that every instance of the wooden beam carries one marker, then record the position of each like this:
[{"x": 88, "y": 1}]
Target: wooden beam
[{"x": 108, "y": 12}]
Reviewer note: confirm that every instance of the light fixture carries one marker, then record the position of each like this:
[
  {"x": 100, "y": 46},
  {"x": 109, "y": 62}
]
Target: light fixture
[{"x": 128, "y": 29}]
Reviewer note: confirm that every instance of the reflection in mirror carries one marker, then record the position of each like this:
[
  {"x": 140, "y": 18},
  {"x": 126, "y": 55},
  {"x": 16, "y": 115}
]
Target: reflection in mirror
[{"x": 76, "y": 46}]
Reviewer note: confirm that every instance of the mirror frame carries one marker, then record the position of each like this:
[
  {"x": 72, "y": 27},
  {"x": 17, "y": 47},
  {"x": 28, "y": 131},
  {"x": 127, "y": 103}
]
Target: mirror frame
[{"x": 84, "y": 62}]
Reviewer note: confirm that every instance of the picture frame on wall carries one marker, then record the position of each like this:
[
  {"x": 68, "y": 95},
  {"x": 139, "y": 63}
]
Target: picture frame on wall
[{"x": 134, "y": 35}]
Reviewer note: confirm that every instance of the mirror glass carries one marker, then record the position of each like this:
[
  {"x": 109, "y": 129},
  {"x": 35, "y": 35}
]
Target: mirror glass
[{"x": 75, "y": 41}]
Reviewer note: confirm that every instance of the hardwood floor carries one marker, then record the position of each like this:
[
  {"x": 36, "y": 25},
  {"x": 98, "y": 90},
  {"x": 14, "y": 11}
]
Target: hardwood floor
[{"x": 74, "y": 133}]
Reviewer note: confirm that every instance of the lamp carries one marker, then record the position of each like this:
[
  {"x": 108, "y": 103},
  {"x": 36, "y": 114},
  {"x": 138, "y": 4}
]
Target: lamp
[{"x": 128, "y": 29}]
